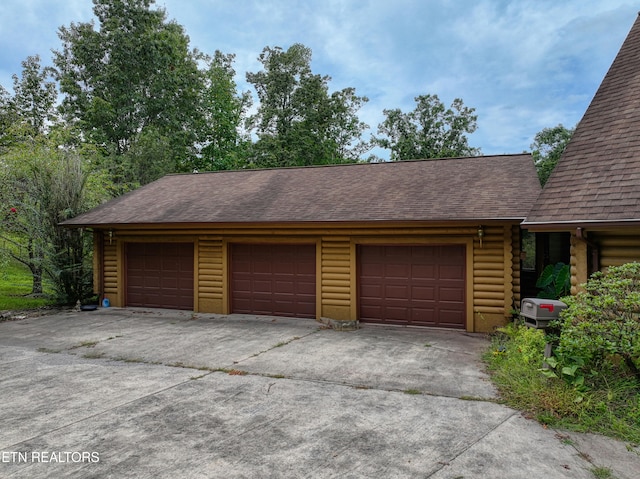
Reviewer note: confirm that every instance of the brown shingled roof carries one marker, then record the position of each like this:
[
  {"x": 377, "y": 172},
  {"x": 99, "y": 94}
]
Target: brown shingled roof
[
  {"x": 488, "y": 187},
  {"x": 597, "y": 179}
]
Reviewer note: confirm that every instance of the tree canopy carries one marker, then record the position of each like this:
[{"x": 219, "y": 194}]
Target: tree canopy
[
  {"x": 137, "y": 102},
  {"x": 429, "y": 131},
  {"x": 547, "y": 148},
  {"x": 132, "y": 81},
  {"x": 298, "y": 121}
]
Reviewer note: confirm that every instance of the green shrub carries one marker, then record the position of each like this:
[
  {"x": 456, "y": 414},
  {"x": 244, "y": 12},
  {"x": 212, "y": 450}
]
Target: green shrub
[
  {"x": 608, "y": 406},
  {"x": 600, "y": 329}
]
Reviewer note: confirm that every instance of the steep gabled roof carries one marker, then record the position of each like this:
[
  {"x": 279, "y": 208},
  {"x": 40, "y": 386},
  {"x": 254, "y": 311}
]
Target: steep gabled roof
[
  {"x": 477, "y": 188},
  {"x": 597, "y": 180}
]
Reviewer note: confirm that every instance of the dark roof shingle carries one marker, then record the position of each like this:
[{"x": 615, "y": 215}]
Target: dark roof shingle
[
  {"x": 489, "y": 187},
  {"x": 597, "y": 179}
]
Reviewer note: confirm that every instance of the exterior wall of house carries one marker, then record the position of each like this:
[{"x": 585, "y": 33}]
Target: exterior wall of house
[
  {"x": 210, "y": 273},
  {"x": 493, "y": 277},
  {"x": 337, "y": 279},
  {"x": 515, "y": 265},
  {"x": 578, "y": 263},
  {"x": 615, "y": 247},
  {"x": 492, "y": 268}
]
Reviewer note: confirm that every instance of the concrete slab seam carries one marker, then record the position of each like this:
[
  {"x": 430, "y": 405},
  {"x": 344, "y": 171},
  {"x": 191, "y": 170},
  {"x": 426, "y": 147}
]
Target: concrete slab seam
[
  {"x": 472, "y": 444},
  {"x": 108, "y": 410}
]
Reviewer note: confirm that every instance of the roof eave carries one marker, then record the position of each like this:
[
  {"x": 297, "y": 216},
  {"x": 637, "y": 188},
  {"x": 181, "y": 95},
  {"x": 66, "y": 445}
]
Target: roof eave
[
  {"x": 293, "y": 224},
  {"x": 570, "y": 225}
]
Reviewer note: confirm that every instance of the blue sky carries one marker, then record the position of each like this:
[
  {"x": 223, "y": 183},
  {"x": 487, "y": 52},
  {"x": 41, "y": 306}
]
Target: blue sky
[{"x": 523, "y": 65}]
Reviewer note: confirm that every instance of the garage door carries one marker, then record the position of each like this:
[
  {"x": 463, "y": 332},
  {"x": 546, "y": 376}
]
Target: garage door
[
  {"x": 412, "y": 285},
  {"x": 160, "y": 275},
  {"x": 277, "y": 280}
]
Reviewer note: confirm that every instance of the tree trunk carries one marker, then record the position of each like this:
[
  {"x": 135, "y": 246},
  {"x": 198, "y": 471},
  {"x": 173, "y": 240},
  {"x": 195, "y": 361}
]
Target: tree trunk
[
  {"x": 36, "y": 270},
  {"x": 36, "y": 273}
]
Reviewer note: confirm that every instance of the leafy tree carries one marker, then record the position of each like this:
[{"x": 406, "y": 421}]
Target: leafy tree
[
  {"x": 547, "y": 147},
  {"x": 8, "y": 119},
  {"x": 429, "y": 131},
  {"x": 298, "y": 122},
  {"x": 47, "y": 183},
  {"x": 44, "y": 173},
  {"x": 223, "y": 112},
  {"x": 35, "y": 95},
  {"x": 133, "y": 79},
  {"x": 23, "y": 239},
  {"x": 26, "y": 117},
  {"x": 31, "y": 110}
]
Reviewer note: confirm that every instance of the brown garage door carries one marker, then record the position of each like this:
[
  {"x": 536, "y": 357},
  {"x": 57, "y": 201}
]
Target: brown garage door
[
  {"x": 160, "y": 275},
  {"x": 412, "y": 285},
  {"x": 277, "y": 280}
]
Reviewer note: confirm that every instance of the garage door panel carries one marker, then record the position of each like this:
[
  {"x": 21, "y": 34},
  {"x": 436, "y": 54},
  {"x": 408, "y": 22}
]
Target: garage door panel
[
  {"x": 261, "y": 285},
  {"x": 283, "y": 287},
  {"x": 423, "y": 292},
  {"x": 401, "y": 271},
  {"x": 306, "y": 288},
  {"x": 273, "y": 279},
  {"x": 409, "y": 285},
  {"x": 451, "y": 272},
  {"x": 160, "y": 275},
  {"x": 424, "y": 271},
  {"x": 371, "y": 291},
  {"x": 452, "y": 295},
  {"x": 396, "y": 291},
  {"x": 396, "y": 313}
]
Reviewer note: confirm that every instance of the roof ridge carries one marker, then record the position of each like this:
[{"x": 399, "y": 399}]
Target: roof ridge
[{"x": 363, "y": 163}]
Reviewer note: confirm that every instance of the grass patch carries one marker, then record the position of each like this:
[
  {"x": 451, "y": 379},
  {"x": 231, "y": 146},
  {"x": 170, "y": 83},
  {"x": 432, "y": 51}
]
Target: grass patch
[
  {"x": 15, "y": 285},
  {"x": 515, "y": 359},
  {"x": 284, "y": 343},
  {"x": 180, "y": 364},
  {"x": 602, "y": 473},
  {"x": 134, "y": 360},
  {"x": 412, "y": 391},
  {"x": 48, "y": 350}
]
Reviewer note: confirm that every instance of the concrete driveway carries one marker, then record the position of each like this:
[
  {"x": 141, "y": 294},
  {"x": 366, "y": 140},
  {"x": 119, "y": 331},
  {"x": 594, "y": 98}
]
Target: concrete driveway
[{"x": 149, "y": 393}]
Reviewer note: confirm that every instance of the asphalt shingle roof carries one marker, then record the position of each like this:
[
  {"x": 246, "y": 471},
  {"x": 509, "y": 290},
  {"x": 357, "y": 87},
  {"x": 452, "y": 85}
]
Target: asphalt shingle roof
[
  {"x": 597, "y": 179},
  {"x": 487, "y": 187}
]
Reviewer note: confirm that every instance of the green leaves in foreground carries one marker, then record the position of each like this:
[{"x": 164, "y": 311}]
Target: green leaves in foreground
[{"x": 609, "y": 406}]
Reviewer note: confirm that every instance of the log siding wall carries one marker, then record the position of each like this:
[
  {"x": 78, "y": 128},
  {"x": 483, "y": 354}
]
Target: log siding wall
[
  {"x": 493, "y": 281},
  {"x": 492, "y": 277},
  {"x": 335, "y": 278},
  {"x": 617, "y": 247},
  {"x": 111, "y": 272},
  {"x": 209, "y": 274},
  {"x": 516, "y": 249}
]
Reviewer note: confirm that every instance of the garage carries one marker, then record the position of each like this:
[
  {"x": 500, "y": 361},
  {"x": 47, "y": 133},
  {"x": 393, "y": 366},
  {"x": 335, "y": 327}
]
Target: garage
[
  {"x": 420, "y": 285},
  {"x": 160, "y": 275},
  {"x": 274, "y": 279}
]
